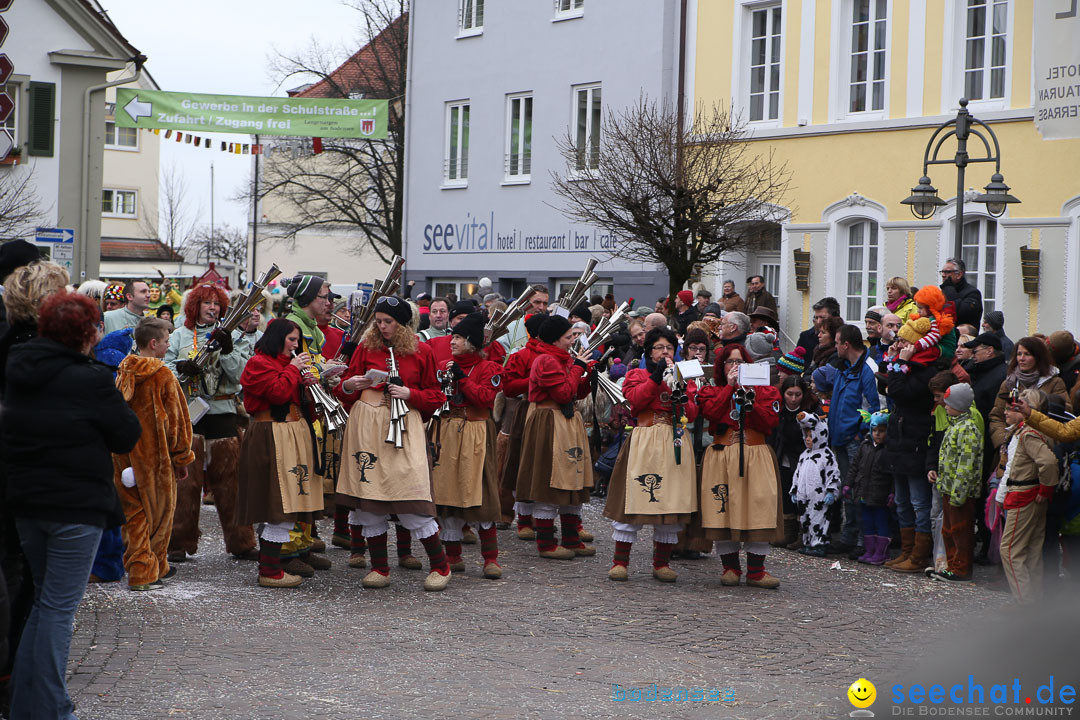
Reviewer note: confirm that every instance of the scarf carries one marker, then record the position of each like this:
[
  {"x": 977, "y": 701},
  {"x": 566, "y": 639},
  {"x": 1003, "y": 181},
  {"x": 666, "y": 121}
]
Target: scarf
[
  {"x": 896, "y": 303},
  {"x": 1024, "y": 379}
]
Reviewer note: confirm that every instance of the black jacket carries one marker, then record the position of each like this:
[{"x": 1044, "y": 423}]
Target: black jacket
[
  {"x": 910, "y": 422},
  {"x": 63, "y": 417},
  {"x": 868, "y": 477},
  {"x": 986, "y": 379},
  {"x": 686, "y": 317},
  {"x": 968, "y": 301},
  {"x": 808, "y": 339}
]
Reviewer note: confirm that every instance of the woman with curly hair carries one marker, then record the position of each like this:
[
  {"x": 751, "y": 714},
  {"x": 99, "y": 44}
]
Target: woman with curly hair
[
  {"x": 217, "y": 433},
  {"x": 377, "y": 479}
]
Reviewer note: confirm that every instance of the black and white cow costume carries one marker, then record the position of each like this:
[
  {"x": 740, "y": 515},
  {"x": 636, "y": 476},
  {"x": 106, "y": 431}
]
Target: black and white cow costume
[{"x": 817, "y": 477}]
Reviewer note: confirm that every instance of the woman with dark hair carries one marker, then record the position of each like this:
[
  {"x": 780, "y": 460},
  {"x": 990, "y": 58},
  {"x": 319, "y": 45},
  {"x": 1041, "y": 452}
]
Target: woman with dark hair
[
  {"x": 787, "y": 442},
  {"x": 60, "y": 484},
  {"x": 555, "y": 473},
  {"x": 825, "y": 352},
  {"x": 654, "y": 480},
  {"x": 279, "y": 485},
  {"x": 1031, "y": 368},
  {"x": 740, "y": 481},
  {"x": 378, "y": 479},
  {"x": 165, "y": 312}
]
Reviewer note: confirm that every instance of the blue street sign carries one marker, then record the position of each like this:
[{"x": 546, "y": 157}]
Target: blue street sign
[{"x": 55, "y": 235}]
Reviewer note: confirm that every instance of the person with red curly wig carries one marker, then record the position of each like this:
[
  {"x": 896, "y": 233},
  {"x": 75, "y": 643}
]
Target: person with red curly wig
[
  {"x": 216, "y": 439},
  {"x": 59, "y": 485},
  {"x": 931, "y": 304}
]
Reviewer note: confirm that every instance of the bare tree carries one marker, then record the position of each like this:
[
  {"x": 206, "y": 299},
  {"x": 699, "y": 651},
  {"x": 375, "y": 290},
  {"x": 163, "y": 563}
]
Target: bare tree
[
  {"x": 176, "y": 221},
  {"x": 353, "y": 183},
  {"x": 672, "y": 201},
  {"x": 224, "y": 243},
  {"x": 20, "y": 210}
]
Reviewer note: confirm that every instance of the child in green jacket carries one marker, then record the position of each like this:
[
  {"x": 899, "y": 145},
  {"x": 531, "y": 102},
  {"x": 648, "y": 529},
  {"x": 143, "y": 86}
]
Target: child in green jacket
[{"x": 957, "y": 479}]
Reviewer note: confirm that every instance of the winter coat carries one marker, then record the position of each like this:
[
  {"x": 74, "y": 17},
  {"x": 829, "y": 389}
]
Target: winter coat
[
  {"x": 904, "y": 308},
  {"x": 1050, "y": 384},
  {"x": 733, "y": 303},
  {"x": 808, "y": 339},
  {"x": 220, "y": 382},
  {"x": 63, "y": 417},
  {"x": 854, "y": 384},
  {"x": 959, "y": 471},
  {"x": 986, "y": 379},
  {"x": 1033, "y": 471},
  {"x": 911, "y": 420},
  {"x": 967, "y": 299},
  {"x": 786, "y": 439},
  {"x": 687, "y": 316},
  {"x": 762, "y": 298},
  {"x": 868, "y": 477}
]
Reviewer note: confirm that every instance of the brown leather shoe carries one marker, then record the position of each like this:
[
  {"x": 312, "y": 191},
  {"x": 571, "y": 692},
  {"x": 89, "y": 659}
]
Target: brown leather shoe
[
  {"x": 317, "y": 545},
  {"x": 456, "y": 565},
  {"x": 318, "y": 562},
  {"x": 410, "y": 562},
  {"x": 907, "y": 542},
  {"x": 469, "y": 537},
  {"x": 296, "y": 566},
  {"x": 921, "y": 551}
]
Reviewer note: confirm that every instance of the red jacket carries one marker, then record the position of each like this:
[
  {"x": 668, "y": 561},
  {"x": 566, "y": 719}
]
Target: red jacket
[
  {"x": 417, "y": 371},
  {"x": 441, "y": 347},
  {"x": 332, "y": 342},
  {"x": 716, "y": 405},
  {"x": 555, "y": 377},
  {"x": 517, "y": 369},
  {"x": 269, "y": 381},
  {"x": 482, "y": 381},
  {"x": 643, "y": 394}
]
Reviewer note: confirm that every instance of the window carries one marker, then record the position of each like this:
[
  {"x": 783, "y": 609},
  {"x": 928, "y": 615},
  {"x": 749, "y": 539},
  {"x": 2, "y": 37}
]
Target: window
[
  {"x": 984, "y": 51},
  {"x": 564, "y": 285},
  {"x": 470, "y": 17},
  {"x": 868, "y": 37},
  {"x": 979, "y": 253},
  {"x": 765, "y": 63},
  {"x": 862, "y": 268},
  {"x": 587, "y": 124},
  {"x": 458, "y": 288},
  {"x": 519, "y": 137},
  {"x": 12, "y": 122},
  {"x": 456, "y": 161},
  {"x": 118, "y": 203},
  {"x": 569, "y": 9},
  {"x": 40, "y": 134},
  {"x": 121, "y": 137}
]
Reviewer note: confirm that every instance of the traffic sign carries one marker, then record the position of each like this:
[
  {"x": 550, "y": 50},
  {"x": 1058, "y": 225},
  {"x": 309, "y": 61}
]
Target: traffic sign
[
  {"x": 6, "y": 106},
  {"x": 55, "y": 235},
  {"x": 6, "y": 68},
  {"x": 5, "y": 4},
  {"x": 3, "y": 30},
  {"x": 6, "y": 143}
]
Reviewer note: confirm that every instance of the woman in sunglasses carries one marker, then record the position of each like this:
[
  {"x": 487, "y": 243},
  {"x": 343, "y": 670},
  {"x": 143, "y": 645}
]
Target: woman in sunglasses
[
  {"x": 378, "y": 479},
  {"x": 740, "y": 479}
]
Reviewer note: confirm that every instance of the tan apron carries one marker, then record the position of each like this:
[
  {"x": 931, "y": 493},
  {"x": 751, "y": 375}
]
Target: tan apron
[
  {"x": 655, "y": 485},
  {"x": 458, "y": 476},
  {"x": 373, "y": 469},
  {"x": 728, "y": 501},
  {"x": 301, "y": 487},
  {"x": 571, "y": 462}
]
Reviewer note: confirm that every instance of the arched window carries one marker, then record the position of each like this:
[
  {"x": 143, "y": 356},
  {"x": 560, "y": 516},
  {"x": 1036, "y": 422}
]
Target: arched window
[
  {"x": 861, "y": 290},
  {"x": 980, "y": 255}
]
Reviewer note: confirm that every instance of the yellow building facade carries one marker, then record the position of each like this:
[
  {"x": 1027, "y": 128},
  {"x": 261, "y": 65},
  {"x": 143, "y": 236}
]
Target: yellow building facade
[{"x": 847, "y": 93}]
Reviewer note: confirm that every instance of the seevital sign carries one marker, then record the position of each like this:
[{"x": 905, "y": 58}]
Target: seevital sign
[{"x": 307, "y": 117}]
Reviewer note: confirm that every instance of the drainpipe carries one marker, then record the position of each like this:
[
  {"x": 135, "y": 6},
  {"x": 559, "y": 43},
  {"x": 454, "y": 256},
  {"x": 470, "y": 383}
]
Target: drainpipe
[{"x": 84, "y": 209}]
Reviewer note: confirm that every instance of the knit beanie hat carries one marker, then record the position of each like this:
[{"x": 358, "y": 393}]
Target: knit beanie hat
[
  {"x": 471, "y": 327},
  {"x": 462, "y": 307},
  {"x": 915, "y": 329},
  {"x": 759, "y": 345},
  {"x": 16, "y": 253},
  {"x": 553, "y": 328},
  {"x": 533, "y": 323},
  {"x": 686, "y": 296},
  {"x": 582, "y": 312},
  {"x": 395, "y": 307},
  {"x": 617, "y": 369},
  {"x": 876, "y": 313},
  {"x": 959, "y": 397},
  {"x": 114, "y": 291},
  {"x": 794, "y": 361},
  {"x": 824, "y": 378},
  {"x": 995, "y": 319},
  {"x": 304, "y": 288},
  {"x": 713, "y": 309}
]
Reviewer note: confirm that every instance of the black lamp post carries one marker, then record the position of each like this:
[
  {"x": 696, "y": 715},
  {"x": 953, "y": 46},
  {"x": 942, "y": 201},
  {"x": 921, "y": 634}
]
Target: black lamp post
[{"x": 924, "y": 200}]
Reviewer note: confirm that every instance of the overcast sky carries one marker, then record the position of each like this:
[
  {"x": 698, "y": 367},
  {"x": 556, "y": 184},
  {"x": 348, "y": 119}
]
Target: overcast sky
[{"x": 223, "y": 47}]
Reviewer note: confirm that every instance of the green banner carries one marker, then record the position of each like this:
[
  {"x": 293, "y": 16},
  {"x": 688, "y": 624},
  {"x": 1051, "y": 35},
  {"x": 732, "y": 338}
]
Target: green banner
[{"x": 304, "y": 117}]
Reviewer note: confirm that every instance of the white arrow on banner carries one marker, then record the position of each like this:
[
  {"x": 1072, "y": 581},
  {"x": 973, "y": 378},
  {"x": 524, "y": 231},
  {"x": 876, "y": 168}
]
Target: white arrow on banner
[{"x": 137, "y": 109}]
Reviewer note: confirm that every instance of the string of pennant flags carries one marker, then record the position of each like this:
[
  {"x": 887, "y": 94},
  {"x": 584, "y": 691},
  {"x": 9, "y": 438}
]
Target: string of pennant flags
[{"x": 296, "y": 147}]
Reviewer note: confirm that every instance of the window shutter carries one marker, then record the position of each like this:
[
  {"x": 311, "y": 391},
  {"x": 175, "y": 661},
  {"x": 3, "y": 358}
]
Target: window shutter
[{"x": 42, "y": 108}]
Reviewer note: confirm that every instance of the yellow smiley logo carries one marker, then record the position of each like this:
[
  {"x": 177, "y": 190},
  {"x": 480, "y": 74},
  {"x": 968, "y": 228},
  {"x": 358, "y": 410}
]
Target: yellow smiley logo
[{"x": 862, "y": 693}]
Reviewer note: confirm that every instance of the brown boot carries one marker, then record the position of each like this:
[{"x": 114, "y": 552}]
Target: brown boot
[
  {"x": 920, "y": 554},
  {"x": 907, "y": 541}
]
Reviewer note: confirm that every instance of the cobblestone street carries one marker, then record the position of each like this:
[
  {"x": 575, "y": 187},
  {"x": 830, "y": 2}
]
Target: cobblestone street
[{"x": 548, "y": 640}]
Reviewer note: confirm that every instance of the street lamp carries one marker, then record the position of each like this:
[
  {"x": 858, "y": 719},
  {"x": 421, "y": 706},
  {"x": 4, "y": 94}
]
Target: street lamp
[{"x": 924, "y": 200}]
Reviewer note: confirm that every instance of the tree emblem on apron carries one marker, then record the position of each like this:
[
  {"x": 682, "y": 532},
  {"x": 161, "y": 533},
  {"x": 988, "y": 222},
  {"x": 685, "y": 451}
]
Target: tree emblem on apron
[
  {"x": 365, "y": 461},
  {"x": 301, "y": 473},
  {"x": 332, "y": 462},
  {"x": 719, "y": 493},
  {"x": 575, "y": 453},
  {"x": 650, "y": 483}
]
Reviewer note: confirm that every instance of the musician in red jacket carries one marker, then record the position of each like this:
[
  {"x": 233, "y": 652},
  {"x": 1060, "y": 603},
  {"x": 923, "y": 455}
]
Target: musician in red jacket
[
  {"x": 378, "y": 479},
  {"x": 555, "y": 472},
  {"x": 279, "y": 485},
  {"x": 654, "y": 481},
  {"x": 515, "y": 389},
  {"x": 740, "y": 479},
  {"x": 464, "y": 475}
]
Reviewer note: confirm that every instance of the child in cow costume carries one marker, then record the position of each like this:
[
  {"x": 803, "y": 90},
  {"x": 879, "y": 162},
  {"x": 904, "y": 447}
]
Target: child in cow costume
[{"x": 815, "y": 485}]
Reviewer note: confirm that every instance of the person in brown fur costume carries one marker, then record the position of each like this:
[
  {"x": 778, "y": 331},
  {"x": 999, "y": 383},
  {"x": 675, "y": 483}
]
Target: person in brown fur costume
[
  {"x": 146, "y": 477},
  {"x": 217, "y": 433}
]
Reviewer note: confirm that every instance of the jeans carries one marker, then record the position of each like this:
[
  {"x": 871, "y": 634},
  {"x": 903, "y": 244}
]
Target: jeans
[
  {"x": 912, "y": 494},
  {"x": 60, "y": 556},
  {"x": 849, "y": 531},
  {"x": 875, "y": 520}
]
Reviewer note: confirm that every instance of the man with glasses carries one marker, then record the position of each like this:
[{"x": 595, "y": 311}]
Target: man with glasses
[{"x": 967, "y": 298}]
